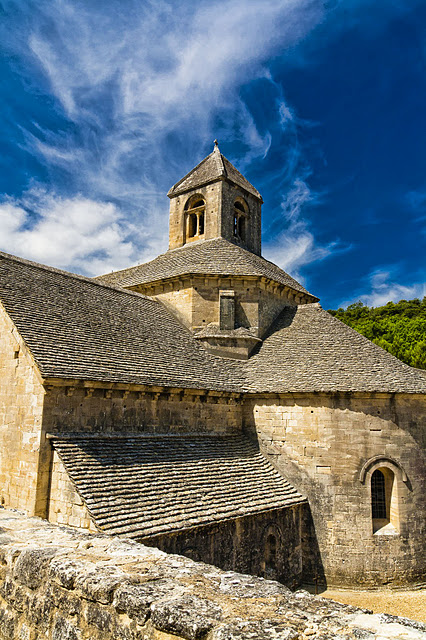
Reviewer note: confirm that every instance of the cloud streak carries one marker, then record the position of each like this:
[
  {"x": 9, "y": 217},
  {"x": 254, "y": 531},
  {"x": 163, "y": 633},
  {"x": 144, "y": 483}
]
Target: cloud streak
[
  {"x": 47, "y": 228},
  {"x": 382, "y": 287},
  {"x": 141, "y": 88}
]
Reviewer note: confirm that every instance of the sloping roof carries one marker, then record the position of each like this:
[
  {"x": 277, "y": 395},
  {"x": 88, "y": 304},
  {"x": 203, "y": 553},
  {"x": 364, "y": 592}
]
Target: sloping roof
[
  {"x": 309, "y": 350},
  {"x": 152, "y": 485},
  {"x": 78, "y": 328},
  {"x": 209, "y": 257},
  {"x": 212, "y": 168}
]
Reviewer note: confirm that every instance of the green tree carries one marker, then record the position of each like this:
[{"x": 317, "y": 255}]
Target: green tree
[{"x": 400, "y": 327}]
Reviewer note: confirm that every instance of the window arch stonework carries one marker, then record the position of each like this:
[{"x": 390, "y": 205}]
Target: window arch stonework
[
  {"x": 194, "y": 217},
  {"x": 272, "y": 541},
  {"x": 240, "y": 223},
  {"x": 384, "y": 478}
]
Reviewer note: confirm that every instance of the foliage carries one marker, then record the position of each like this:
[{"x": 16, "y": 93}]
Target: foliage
[{"x": 400, "y": 327}]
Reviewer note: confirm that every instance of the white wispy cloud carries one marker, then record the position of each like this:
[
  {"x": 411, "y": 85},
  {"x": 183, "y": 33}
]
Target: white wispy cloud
[
  {"x": 145, "y": 85},
  {"x": 58, "y": 231},
  {"x": 382, "y": 287},
  {"x": 296, "y": 245}
]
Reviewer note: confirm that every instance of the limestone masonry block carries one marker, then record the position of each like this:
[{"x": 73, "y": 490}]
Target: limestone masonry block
[{"x": 59, "y": 584}]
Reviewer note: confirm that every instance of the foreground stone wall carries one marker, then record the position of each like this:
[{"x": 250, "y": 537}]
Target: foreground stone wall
[
  {"x": 21, "y": 407},
  {"x": 60, "y": 584},
  {"x": 321, "y": 443}
]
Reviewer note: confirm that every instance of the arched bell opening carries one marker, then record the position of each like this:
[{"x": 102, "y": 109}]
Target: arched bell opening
[
  {"x": 240, "y": 220},
  {"x": 194, "y": 217}
]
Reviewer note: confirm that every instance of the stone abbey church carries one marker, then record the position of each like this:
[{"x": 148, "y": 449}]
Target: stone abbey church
[{"x": 206, "y": 404}]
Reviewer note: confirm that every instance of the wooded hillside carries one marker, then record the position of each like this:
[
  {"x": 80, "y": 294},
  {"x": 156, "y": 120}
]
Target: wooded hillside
[{"x": 400, "y": 327}]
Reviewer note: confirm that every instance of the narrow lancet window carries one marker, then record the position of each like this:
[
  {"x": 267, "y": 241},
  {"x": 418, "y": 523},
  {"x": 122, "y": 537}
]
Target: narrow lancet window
[
  {"x": 378, "y": 496},
  {"x": 240, "y": 216}
]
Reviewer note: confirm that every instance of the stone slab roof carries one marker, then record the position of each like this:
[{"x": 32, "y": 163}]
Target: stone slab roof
[
  {"x": 209, "y": 257},
  {"x": 309, "y": 350},
  {"x": 214, "y": 167},
  {"x": 146, "y": 486},
  {"x": 78, "y": 328}
]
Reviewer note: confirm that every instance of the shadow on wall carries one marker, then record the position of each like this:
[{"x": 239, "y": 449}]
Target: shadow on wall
[
  {"x": 313, "y": 569},
  {"x": 276, "y": 545}
]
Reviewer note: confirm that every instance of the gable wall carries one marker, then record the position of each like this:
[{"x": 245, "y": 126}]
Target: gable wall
[
  {"x": 320, "y": 443},
  {"x": 65, "y": 505},
  {"x": 21, "y": 406}
]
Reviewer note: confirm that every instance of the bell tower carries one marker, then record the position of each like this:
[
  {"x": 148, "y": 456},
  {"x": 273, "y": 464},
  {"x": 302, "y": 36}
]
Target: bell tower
[{"x": 215, "y": 201}]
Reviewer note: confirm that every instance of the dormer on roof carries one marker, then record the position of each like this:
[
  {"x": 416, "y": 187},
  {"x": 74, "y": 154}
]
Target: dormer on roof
[{"x": 214, "y": 200}]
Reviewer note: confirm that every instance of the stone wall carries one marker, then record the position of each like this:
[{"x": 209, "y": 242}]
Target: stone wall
[
  {"x": 65, "y": 504},
  {"x": 21, "y": 406},
  {"x": 108, "y": 408},
  {"x": 219, "y": 200},
  {"x": 212, "y": 195},
  {"x": 266, "y": 544},
  {"x": 59, "y": 584},
  {"x": 195, "y": 300},
  {"x": 252, "y": 240},
  {"x": 321, "y": 443}
]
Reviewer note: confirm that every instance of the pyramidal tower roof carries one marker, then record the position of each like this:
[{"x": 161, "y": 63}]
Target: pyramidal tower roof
[{"x": 214, "y": 167}]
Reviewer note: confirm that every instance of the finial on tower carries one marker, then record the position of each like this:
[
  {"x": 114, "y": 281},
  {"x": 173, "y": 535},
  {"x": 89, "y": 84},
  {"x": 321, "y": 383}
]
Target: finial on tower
[{"x": 216, "y": 145}]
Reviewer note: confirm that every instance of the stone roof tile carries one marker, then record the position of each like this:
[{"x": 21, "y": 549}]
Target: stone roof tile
[
  {"x": 214, "y": 167},
  {"x": 307, "y": 349},
  {"x": 159, "y": 484},
  {"x": 78, "y": 328},
  {"x": 209, "y": 257}
]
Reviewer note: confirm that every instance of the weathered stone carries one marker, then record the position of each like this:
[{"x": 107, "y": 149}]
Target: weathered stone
[
  {"x": 189, "y": 617},
  {"x": 99, "y": 617},
  {"x": 30, "y": 568},
  {"x": 8, "y": 623},
  {"x": 136, "y": 600},
  {"x": 65, "y": 572},
  {"x": 39, "y": 609},
  {"x": 187, "y": 600},
  {"x": 66, "y": 602},
  {"x": 64, "y": 630},
  {"x": 254, "y": 631},
  {"x": 100, "y": 583}
]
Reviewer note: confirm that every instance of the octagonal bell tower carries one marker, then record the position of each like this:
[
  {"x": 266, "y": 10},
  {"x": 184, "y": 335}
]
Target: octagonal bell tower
[{"x": 215, "y": 201}]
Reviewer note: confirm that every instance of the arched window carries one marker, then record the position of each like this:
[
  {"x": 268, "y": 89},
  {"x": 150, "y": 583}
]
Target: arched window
[
  {"x": 240, "y": 219},
  {"x": 195, "y": 211},
  {"x": 191, "y": 225},
  {"x": 378, "y": 496},
  {"x": 389, "y": 484},
  {"x": 272, "y": 560},
  {"x": 271, "y": 552}
]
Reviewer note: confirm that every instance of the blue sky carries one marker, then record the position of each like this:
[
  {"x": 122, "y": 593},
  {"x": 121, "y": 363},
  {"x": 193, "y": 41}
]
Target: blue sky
[{"x": 322, "y": 105}]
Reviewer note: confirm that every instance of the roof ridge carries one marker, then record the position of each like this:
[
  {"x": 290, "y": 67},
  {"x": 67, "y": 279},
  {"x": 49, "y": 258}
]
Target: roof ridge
[
  {"x": 257, "y": 262},
  {"x": 218, "y": 167},
  {"x": 219, "y": 161},
  {"x": 179, "y": 182},
  {"x": 70, "y": 274}
]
